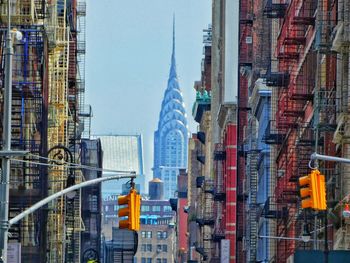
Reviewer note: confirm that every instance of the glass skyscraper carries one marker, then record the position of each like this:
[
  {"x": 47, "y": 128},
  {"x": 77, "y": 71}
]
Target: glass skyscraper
[
  {"x": 171, "y": 137},
  {"x": 122, "y": 153}
]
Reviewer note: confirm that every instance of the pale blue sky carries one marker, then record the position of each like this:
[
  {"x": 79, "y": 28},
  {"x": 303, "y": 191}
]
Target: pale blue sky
[{"x": 128, "y": 59}]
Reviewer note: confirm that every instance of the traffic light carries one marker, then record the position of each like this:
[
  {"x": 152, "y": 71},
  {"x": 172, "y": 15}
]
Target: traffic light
[
  {"x": 308, "y": 191},
  {"x": 132, "y": 203},
  {"x": 313, "y": 191},
  {"x": 321, "y": 186}
]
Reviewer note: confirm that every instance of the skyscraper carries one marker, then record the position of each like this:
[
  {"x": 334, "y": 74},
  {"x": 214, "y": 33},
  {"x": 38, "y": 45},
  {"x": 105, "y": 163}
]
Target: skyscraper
[
  {"x": 123, "y": 153},
  {"x": 171, "y": 137}
]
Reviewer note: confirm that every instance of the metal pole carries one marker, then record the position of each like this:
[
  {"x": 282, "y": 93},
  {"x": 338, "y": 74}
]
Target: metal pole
[
  {"x": 316, "y": 156},
  {"x": 6, "y": 139},
  {"x": 315, "y": 234},
  {"x": 326, "y": 249}
]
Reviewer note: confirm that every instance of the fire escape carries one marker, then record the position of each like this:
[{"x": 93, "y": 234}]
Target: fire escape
[
  {"x": 252, "y": 154},
  {"x": 85, "y": 111},
  {"x": 245, "y": 64},
  {"x": 205, "y": 214},
  {"x": 27, "y": 113},
  {"x": 296, "y": 125},
  {"x": 219, "y": 192}
]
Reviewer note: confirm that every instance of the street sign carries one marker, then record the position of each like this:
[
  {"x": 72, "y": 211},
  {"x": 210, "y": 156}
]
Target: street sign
[
  {"x": 225, "y": 251},
  {"x": 14, "y": 252}
]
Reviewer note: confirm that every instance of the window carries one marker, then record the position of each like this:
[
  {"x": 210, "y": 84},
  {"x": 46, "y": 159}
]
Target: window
[
  {"x": 156, "y": 208},
  {"x": 165, "y": 248},
  {"x": 167, "y": 208},
  {"x": 149, "y": 260},
  {"x": 159, "y": 248},
  {"x": 149, "y": 234},
  {"x": 143, "y": 247},
  {"x": 159, "y": 260},
  {"x": 115, "y": 208},
  {"x": 149, "y": 247},
  {"x": 165, "y": 235},
  {"x": 145, "y": 208},
  {"x": 143, "y": 234},
  {"x": 143, "y": 260},
  {"x": 165, "y": 260},
  {"x": 106, "y": 208},
  {"x": 159, "y": 235}
]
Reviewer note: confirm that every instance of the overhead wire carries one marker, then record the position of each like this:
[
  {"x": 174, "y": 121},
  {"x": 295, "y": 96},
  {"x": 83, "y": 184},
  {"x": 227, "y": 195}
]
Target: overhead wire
[
  {"x": 80, "y": 165},
  {"x": 69, "y": 165}
]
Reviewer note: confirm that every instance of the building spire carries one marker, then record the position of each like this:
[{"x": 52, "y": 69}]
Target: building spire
[
  {"x": 173, "y": 54},
  {"x": 173, "y": 73}
]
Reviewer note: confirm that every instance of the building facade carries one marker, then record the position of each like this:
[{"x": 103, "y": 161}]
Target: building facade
[
  {"x": 300, "y": 120},
  {"x": 91, "y": 205},
  {"x": 171, "y": 137},
  {"x": 48, "y": 120},
  {"x": 156, "y": 238}
]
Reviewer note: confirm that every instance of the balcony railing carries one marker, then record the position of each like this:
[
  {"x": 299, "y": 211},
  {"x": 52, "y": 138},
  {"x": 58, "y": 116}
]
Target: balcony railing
[
  {"x": 272, "y": 135},
  {"x": 200, "y": 157},
  {"x": 201, "y": 136},
  {"x": 207, "y": 219},
  {"x": 219, "y": 193},
  {"x": 218, "y": 234},
  {"x": 277, "y": 79},
  {"x": 273, "y": 10},
  {"x": 272, "y": 211},
  {"x": 200, "y": 181},
  {"x": 209, "y": 186}
]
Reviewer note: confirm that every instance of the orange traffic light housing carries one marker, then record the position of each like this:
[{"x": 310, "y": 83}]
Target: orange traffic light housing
[
  {"x": 321, "y": 186},
  {"x": 307, "y": 192},
  {"x": 131, "y": 210},
  {"x": 313, "y": 191}
]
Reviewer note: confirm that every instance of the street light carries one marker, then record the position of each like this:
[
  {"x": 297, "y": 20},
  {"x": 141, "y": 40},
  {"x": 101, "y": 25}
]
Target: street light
[
  {"x": 305, "y": 236},
  {"x": 63, "y": 156}
]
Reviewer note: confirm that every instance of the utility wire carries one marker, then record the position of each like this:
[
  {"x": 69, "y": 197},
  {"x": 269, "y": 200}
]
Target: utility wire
[{"x": 75, "y": 166}]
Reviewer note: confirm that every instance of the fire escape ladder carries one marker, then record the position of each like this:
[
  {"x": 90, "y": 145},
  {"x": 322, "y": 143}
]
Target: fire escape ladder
[
  {"x": 85, "y": 113},
  {"x": 253, "y": 181},
  {"x": 69, "y": 220},
  {"x": 252, "y": 175}
]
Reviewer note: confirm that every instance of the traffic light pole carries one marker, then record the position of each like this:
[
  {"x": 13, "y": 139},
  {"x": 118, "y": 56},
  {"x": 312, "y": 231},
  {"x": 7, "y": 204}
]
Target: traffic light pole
[
  {"x": 6, "y": 141},
  {"x": 50, "y": 198},
  {"x": 316, "y": 156},
  {"x": 63, "y": 192}
]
